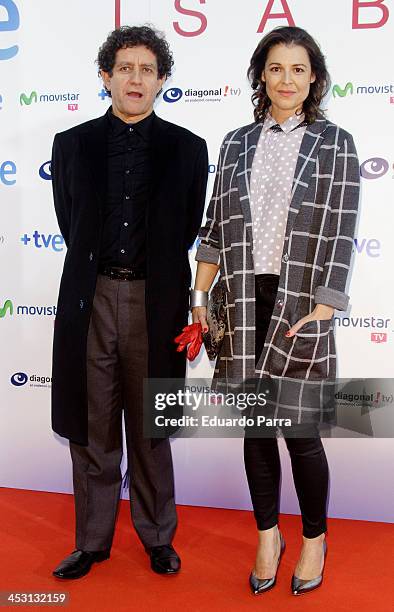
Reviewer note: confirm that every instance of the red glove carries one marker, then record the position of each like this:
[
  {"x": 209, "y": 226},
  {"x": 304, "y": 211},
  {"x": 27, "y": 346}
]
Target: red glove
[{"x": 191, "y": 335}]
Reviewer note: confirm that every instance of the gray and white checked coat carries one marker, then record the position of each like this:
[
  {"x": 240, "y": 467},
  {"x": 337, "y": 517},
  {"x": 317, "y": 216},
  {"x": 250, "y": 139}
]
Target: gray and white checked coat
[{"x": 315, "y": 259}]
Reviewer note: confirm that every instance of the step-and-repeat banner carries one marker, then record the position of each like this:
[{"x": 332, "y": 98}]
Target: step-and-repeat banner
[{"x": 49, "y": 83}]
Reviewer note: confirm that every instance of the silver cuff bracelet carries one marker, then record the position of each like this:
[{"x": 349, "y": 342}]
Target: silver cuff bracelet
[{"x": 198, "y": 298}]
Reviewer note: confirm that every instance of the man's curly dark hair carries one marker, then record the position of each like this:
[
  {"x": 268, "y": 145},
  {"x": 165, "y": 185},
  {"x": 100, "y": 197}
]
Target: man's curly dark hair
[{"x": 135, "y": 36}]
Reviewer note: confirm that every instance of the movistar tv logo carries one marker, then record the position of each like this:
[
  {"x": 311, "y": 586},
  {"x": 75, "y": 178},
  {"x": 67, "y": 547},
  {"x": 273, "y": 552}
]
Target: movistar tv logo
[
  {"x": 27, "y": 99},
  {"x": 382, "y": 88},
  {"x": 7, "y": 306},
  {"x": 24, "y": 99},
  {"x": 27, "y": 310},
  {"x": 373, "y": 321},
  {"x": 342, "y": 92}
]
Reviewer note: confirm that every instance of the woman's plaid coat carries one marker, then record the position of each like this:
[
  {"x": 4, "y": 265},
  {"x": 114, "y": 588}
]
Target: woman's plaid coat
[{"x": 315, "y": 259}]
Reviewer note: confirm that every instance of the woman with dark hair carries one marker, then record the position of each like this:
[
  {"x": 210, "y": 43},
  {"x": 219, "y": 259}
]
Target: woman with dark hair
[{"x": 280, "y": 229}]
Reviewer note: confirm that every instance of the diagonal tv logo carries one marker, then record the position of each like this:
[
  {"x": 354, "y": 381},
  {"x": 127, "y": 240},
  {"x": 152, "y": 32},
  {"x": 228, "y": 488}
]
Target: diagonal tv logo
[
  {"x": 19, "y": 379},
  {"x": 342, "y": 92},
  {"x": 24, "y": 99}
]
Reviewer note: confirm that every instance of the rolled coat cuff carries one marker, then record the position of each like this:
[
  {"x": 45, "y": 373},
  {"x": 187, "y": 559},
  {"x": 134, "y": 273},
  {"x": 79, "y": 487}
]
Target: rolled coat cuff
[
  {"x": 208, "y": 254},
  {"x": 331, "y": 297}
]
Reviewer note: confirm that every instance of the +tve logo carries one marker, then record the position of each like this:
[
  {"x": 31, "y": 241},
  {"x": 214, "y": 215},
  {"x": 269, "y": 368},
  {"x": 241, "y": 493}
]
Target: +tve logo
[
  {"x": 10, "y": 24},
  {"x": 55, "y": 241},
  {"x": 103, "y": 94},
  {"x": 7, "y": 169},
  {"x": 371, "y": 247}
]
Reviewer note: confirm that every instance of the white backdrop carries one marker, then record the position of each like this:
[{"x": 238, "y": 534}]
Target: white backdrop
[{"x": 49, "y": 83}]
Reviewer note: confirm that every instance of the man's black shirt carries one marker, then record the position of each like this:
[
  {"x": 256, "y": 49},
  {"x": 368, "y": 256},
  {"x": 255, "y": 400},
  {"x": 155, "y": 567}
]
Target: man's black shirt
[{"x": 123, "y": 241}]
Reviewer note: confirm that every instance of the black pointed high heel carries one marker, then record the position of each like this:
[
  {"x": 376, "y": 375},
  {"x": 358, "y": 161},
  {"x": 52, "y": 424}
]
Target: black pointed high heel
[
  {"x": 261, "y": 585},
  {"x": 299, "y": 586}
]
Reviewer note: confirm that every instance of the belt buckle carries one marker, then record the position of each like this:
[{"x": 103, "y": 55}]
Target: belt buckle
[{"x": 125, "y": 274}]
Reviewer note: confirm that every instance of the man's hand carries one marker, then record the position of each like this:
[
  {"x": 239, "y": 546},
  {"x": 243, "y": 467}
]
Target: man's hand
[{"x": 321, "y": 312}]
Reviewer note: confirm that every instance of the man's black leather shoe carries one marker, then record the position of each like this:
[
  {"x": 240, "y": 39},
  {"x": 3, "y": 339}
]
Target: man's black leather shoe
[
  {"x": 164, "y": 560},
  {"x": 78, "y": 564}
]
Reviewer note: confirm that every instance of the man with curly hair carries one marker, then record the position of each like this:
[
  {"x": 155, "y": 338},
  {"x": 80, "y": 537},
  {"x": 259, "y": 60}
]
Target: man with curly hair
[{"x": 129, "y": 193}]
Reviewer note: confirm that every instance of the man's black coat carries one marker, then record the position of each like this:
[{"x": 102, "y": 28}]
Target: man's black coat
[{"x": 175, "y": 209}]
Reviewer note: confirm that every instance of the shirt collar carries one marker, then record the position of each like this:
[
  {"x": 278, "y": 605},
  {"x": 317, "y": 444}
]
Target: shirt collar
[
  {"x": 287, "y": 126},
  {"x": 118, "y": 126}
]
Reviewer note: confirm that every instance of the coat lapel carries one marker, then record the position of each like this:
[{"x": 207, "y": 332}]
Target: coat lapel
[
  {"x": 94, "y": 150},
  {"x": 306, "y": 161},
  {"x": 245, "y": 160}
]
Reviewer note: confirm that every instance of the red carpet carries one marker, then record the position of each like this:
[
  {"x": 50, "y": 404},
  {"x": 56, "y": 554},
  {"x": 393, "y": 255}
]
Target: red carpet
[{"x": 217, "y": 549}]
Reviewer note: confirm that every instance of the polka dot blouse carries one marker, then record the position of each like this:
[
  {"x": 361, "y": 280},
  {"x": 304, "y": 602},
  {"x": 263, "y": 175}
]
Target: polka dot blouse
[{"x": 273, "y": 169}]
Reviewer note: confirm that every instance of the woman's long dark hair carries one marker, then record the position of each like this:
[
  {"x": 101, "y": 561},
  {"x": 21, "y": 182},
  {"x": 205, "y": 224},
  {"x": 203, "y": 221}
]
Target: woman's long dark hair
[{"x": 289, "y": 36}]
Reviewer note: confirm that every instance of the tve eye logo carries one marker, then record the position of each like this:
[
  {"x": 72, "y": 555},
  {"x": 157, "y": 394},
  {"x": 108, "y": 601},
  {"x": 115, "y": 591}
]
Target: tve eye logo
[
  {"x": 53, "y": 241},
  {"x": 374, "y": 168},
  {"x": 10, "y": 24},
  {"x": 173, "y": 95}
]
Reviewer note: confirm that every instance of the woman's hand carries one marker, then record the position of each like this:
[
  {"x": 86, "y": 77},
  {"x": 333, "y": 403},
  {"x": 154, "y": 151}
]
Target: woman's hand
[
  {"x": 199, "y": 314},
  {"x": 205, "y": 276},
  {"x": 321, "y": 312}
]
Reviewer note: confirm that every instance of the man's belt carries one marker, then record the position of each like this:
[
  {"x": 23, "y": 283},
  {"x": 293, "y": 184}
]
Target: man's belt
[{"x": 116, "y": 273}]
